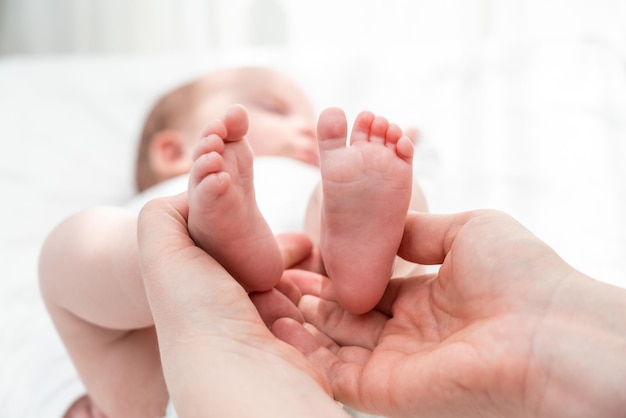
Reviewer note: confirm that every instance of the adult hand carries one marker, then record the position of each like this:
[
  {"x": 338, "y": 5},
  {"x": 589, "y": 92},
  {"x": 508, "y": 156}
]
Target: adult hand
[
  {"x": 218, "y": 357},
  {"x": 504, "y": 328}
]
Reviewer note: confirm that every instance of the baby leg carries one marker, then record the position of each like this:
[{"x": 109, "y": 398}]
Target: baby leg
[
  {"x": 224, "y": 218},
  {"x": 366, "y": 195}
]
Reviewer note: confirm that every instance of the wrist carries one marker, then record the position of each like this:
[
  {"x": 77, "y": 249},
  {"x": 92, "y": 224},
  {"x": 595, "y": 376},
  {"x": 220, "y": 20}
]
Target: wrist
[{"x": 578, "y": 366}]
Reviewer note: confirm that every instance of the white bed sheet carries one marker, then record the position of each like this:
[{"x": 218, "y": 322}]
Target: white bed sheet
[{"x": 537, "y": 130}]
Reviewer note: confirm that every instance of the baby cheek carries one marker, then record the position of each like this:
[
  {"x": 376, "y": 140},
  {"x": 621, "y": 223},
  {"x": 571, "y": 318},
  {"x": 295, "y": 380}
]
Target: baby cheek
[{"x": 268, "y": 144}]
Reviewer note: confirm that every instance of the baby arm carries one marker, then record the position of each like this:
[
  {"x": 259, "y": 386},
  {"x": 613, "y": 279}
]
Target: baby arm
[{"x": 93, "y": 289}]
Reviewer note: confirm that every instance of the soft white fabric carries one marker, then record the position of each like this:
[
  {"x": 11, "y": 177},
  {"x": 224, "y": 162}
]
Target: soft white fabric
[
  {"x": 88, "y": 26},
  {"x": 283, "y": 187},
  {"x": 38, "y": 378},
  {"x": 535, "y": 129}
]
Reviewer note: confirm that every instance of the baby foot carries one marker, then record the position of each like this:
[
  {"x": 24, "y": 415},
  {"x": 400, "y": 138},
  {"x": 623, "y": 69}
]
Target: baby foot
[
  {"x": 367, "y": 192},
  {"x": 224, "y": 218}
]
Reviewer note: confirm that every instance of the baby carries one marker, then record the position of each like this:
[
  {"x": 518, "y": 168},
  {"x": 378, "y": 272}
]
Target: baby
[{"x": 89, "y": 270}]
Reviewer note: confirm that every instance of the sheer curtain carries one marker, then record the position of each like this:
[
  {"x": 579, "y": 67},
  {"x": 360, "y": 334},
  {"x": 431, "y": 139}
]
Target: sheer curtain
[
  {"x": 122, "y": 26},
  {"x": 76, "y": 26},
  {"x": 525, "y": 98}
]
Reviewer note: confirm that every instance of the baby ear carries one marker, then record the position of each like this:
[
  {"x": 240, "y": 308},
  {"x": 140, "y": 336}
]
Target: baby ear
[{"x": 170, "y": 154}]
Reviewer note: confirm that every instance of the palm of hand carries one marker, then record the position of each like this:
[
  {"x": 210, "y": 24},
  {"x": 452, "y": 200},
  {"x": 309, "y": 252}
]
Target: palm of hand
[{"x": 441, "y": 342}]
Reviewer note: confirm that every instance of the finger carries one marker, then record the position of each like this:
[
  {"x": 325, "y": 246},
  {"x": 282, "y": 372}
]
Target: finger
[
  {"x": 273, "y": 305},
  {"x": 312, "y": 263},
  {"x": 289, "y": 289},
  {"x": 343, "y": 327},
  {"x": 323, "y": 339},
  {"x": 320, "y": 308},
  {"x": 347, "y": 354},
  {"x": 389, "y": 297},
  {"x": 428, "y": 238},
  {"x": 388, "y": 301},
  {"x": 343, "y": 376},
  {"x": 312, "y": 346},
  {"x": 295, "y": 248},
  {"x": 310, "y": 283}
]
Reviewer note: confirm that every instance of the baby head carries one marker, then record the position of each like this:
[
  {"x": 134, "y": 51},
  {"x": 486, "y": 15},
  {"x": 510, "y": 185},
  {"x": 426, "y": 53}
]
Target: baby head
[{"x": 282, "y": 120}]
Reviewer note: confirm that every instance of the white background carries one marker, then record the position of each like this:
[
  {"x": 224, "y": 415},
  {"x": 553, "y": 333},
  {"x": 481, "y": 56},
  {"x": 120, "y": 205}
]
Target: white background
[{"x": 521, "y": 106}]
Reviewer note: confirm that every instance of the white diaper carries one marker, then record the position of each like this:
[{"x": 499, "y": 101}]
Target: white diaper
[{"x": 283, "y": 187}]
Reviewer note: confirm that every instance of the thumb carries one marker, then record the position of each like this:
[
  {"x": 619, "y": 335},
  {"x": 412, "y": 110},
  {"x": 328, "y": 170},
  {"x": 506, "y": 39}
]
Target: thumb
[
  {"x": 428, "y": 238},
  {"x": 295, "y": 248}
]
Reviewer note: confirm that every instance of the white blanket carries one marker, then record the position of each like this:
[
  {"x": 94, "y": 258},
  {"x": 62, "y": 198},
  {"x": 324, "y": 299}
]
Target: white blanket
[{"x": 537, "y": 130}]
